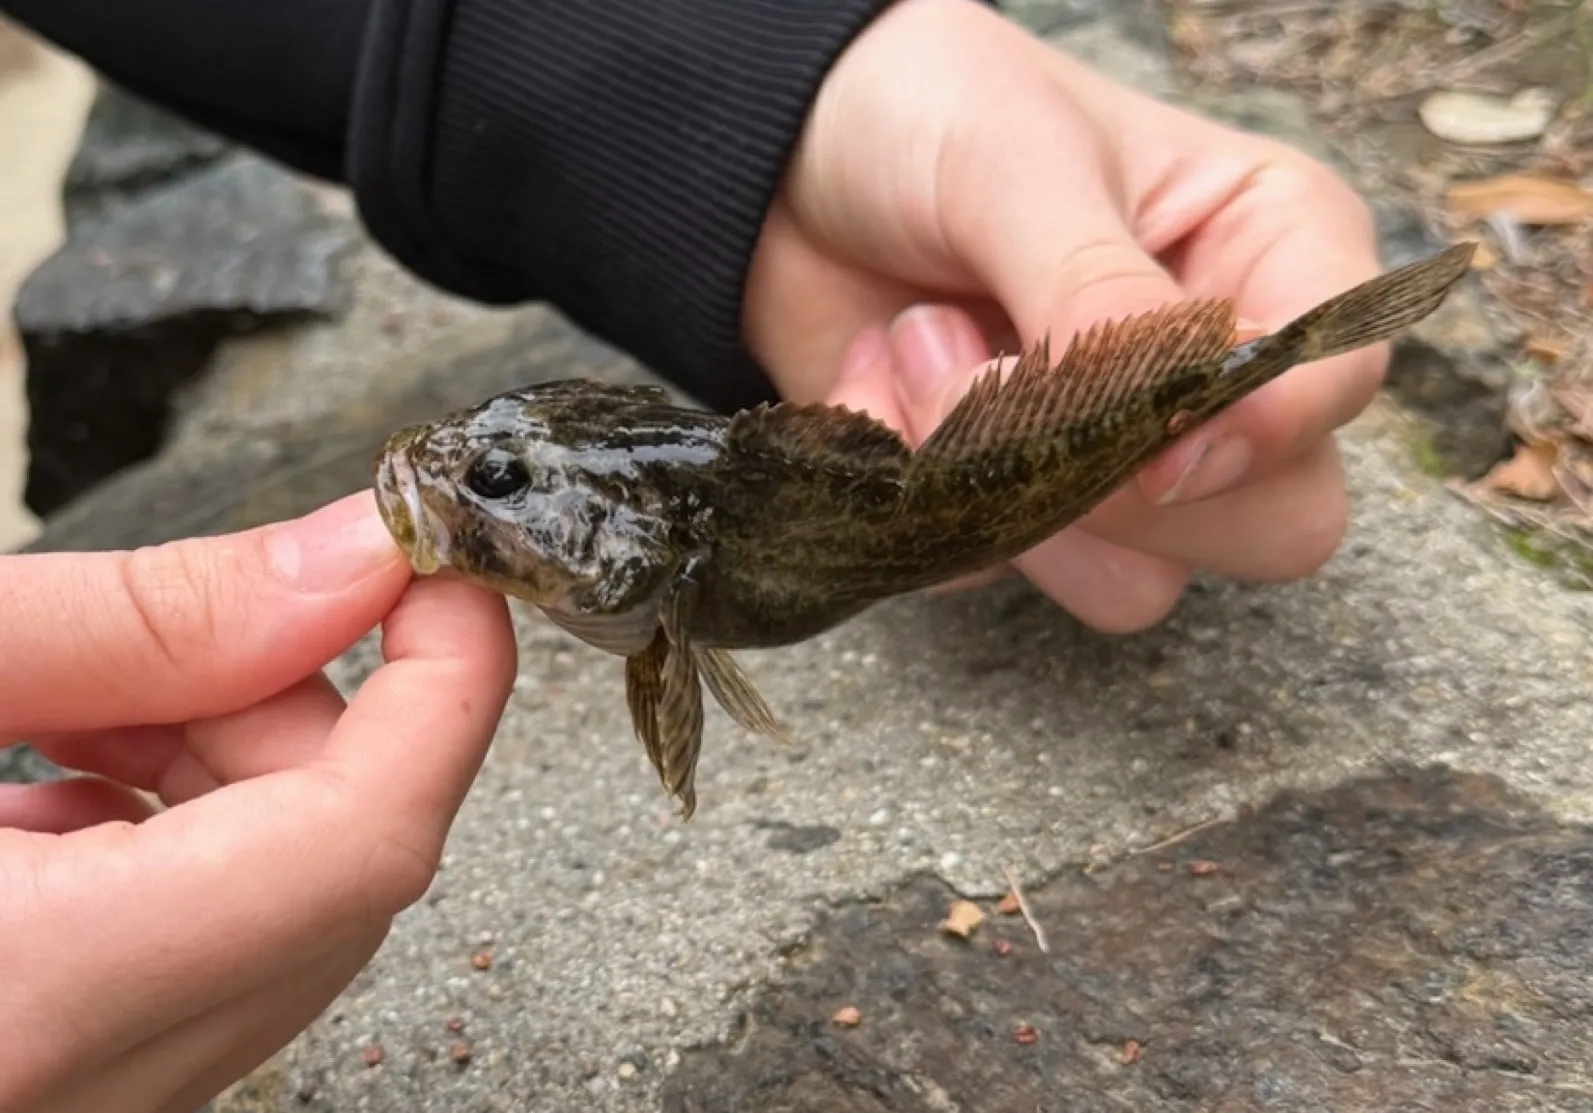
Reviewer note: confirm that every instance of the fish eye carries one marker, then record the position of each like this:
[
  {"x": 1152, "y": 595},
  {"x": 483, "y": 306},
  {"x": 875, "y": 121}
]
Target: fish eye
[{"x": 496, "y": 474}]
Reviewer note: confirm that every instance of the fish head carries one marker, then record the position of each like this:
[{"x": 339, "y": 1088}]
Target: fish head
[{"x": 533, "y": 493}]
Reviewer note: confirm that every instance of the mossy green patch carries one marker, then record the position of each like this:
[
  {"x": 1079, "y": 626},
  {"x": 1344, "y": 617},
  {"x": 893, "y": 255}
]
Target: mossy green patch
[{"x": 1425, "y": 451}]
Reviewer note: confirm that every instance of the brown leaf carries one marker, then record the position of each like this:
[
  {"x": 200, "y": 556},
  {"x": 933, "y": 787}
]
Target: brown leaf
[
  {"x": 848, "y": 1017},
  {"x": 1010, "y": 905},
  {"x": 1528, "y": 474},
  {"x": 1528, "y": 198},
  {"x": 1547, "y": 349},
  {"x": 962, "y": 919}
]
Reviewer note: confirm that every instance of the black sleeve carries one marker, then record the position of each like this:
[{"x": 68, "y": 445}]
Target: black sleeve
[{"x": 615, "y": 159}]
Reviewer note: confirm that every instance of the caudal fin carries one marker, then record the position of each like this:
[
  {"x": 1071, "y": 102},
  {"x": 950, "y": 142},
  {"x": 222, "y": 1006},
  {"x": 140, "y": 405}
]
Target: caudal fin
[{"x": 1371, "y": 312}]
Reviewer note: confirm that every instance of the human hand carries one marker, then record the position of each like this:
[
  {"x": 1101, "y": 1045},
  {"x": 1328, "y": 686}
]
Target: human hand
[
  {"x": 962, "y": 187},
  {"x": 147, "y": 961}
]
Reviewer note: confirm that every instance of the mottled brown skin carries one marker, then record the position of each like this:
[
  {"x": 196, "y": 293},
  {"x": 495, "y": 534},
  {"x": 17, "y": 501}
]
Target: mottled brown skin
[{"x": 670, "y": 536}]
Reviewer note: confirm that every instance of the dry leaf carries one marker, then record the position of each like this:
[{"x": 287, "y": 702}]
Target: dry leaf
[
  {"x": 1524, "y": 197},
  {"x": 1478, "y": 118},
  {"x": 962, "y": 919},
  {"x": 1547, "y": 349},
  {"x": 848, "y": 1017},
  {"x": 1010, "y": 905},
  {"x": 1528, "y": 474},
  {"x": 1485, "y": 258}
]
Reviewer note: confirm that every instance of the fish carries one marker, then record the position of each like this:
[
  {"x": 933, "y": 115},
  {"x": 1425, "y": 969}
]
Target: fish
[{"x": 673, "y": 536}]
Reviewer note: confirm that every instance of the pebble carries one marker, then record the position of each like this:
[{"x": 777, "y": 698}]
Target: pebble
[{"x": 1477, "y": 119}]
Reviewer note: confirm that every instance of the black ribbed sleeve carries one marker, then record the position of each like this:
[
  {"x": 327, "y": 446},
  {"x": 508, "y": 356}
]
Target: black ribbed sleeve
[{"x": 615, "y": 158}]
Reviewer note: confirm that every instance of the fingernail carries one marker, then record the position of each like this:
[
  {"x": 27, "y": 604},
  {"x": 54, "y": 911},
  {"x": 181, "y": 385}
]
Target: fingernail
[
  {"x": 1214, "y": 467},
  {"x": 925, "y": 351},
  {"x": 1246, "y": 330},
  {"x": 334, "y": 547}
]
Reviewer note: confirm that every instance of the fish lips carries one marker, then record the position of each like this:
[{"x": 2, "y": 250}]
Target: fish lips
[{"x": 418, "y": 530}]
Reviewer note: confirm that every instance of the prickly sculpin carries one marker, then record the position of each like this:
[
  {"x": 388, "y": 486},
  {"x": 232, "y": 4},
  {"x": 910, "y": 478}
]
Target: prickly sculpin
[{"x": 671, "y": 536}]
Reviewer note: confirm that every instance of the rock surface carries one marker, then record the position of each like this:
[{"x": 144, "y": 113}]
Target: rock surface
[
  {"x": 1399, "y": 942},
  {"x": 172, "y": 246},
  {"x": 640, "y": 965},
  {"x": 127, "y": 146}
]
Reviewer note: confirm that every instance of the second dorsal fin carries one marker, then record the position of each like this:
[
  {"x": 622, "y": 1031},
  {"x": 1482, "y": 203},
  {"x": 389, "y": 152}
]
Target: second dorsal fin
[{"x": 1100, "y": 367}]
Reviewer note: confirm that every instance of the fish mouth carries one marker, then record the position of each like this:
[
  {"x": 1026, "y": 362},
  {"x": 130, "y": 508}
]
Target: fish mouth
[{"x": 419, "y": 531}]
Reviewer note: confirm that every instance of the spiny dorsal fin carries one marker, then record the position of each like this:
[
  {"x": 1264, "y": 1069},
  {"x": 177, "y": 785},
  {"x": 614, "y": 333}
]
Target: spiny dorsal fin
[
  {"x": 816, "y": 431},
  {"x": 1101, "y": 366}
]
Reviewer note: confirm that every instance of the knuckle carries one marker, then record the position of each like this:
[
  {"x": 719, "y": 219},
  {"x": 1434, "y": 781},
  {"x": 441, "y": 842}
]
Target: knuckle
[
  {"x": 171, "y": 601},
  {"x": 400, "y": 869},
  {"x": 1317, "y": 183},
  {"x": 1104, "y": 262}
]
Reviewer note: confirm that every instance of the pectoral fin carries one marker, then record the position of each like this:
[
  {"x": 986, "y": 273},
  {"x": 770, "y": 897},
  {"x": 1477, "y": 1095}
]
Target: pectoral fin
[
  {"x": 737, "y": 695},
  {"x": 644, "y": 690},
  {"x": 664, "y": 691}
]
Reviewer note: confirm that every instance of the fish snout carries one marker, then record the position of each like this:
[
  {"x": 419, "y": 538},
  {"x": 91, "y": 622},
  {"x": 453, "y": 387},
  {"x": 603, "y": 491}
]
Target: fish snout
[{"x": 403, "y": 510}]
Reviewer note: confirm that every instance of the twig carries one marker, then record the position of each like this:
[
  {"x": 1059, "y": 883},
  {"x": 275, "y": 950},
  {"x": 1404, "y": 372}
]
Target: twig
[
  {"x": 1177, "y": 837},
  {"x": 1028, "y": 913}
]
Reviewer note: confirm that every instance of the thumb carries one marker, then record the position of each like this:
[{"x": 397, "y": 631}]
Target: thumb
[{"x": 191, "y": 629}]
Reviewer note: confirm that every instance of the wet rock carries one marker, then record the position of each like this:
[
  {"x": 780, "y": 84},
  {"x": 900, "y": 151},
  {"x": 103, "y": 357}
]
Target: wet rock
[
  {"x": 1402, "y": 236},
  {"x": 792, "y": 838},
  {"x": 128, "y": 146},
  {"x": 225, "y": 482},
  {"x": 134, "y": 305},
  {"x": 172, "y": 246},
  {"x": 1415, "y": 941},
  {"x": 1464, "y": 413}
]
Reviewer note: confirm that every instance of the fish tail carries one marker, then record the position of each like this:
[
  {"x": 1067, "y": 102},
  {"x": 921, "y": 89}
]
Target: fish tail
[{"x": 1368, "y": 314}]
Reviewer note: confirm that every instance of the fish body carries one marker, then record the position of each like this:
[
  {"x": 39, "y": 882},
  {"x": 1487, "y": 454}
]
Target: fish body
[{"x": 671, "y": 536}]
